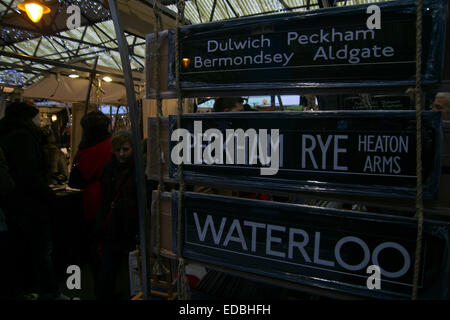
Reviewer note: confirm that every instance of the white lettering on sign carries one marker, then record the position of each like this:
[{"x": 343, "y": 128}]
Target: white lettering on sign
[
  {"x": 352, "y": 55},
  {"x": 290, "y": 243},
  {"x": 230, "y": 45},
  {"x": 330, "y": 37},
  {"x": 383, "y": 144},
  {"x": 259, "y": 59},
  {"x": 309, "y": 144},
  {"x": 330, "y": 45}
]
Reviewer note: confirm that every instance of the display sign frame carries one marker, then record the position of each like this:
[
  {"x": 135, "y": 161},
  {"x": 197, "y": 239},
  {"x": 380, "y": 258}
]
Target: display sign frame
[
  {"x": 301, "y": 50},
  {"x": 350, "y": 151},
  {"x": 321, "y": 247}
]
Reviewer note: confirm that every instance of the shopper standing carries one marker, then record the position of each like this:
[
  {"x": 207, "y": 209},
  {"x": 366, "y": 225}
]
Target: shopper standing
[
  {"x": 442, "y": 103},
  {"x": 93, "y": 152},
  {"x": 29, "y": 204},
  {"x": 117, "y": 220},
  {"x": 6, "y": 186}
]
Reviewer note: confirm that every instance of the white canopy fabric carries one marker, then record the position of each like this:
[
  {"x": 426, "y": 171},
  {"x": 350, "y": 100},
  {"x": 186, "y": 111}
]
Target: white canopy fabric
[{"x": 58, "y": 86}]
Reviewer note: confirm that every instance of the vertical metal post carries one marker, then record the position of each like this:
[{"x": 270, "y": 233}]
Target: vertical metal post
[
  {"x": 140, "y": 179},
  {"x": 91, "y": 79},
  {"x": 281, "y": 103}
]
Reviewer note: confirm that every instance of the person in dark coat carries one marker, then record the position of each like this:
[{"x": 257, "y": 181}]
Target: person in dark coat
[
  {"x": 57, "y": 171},
  {"x": 6, "y": 186},
  {"x": 6, "y": 182},
  {"x": 117, "y": 220},
  {"x": 93, "y": 152},
  {"x": 30, "y": 202}
]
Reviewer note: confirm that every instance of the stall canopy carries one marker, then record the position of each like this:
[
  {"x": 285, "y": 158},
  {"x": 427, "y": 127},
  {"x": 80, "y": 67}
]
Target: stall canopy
[{"x": 57, "y": 85}]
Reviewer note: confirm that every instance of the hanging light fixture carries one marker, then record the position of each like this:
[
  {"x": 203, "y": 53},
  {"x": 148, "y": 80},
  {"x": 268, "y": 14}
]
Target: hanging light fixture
[
  {"x": 54, "y": 117},
  {"x": 34, "y": 9}
]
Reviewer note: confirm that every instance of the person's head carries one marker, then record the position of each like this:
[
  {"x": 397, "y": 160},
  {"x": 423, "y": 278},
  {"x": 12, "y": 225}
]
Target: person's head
[
  {"x": 24, "y": 111},
  {"x": 442, "y": 103},
  {"x": 247, "y": 107},
  {"x": 96, "y": 127},
  {"x": 229, "y": 104},
  {"x": 122, "y": 146}
]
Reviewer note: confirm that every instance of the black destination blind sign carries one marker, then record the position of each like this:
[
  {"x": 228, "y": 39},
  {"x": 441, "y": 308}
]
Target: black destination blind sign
[
  {"x": 350, "y": 152},
  {"x": 313, "y": 246},
  {"x": 327, "y": 46}
]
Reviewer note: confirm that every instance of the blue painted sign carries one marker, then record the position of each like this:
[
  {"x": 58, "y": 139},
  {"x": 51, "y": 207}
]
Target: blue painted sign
[{"x": 313, "y": 246}]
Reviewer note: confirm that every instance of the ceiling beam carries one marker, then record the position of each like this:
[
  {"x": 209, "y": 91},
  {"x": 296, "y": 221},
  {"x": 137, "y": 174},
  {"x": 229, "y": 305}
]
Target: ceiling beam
[
  {"x": 8, "y": 7},
  {"x": 90, "y": 44},
  {"x": 61, "y": 64},
  {"x": 232, "y": 9},
  {"x": 56, "y": 50},
  {"x": 285, "y": 5},
  {"x": 95, "y": 27},
  {"x": 37, "y": 46},
  {"x": 198, "y": 11},
  {"x": 275, "y": 11},
  {"x": 212, "y": 10},
  {"x": 69, "y": 52},
  {"x": 24, "y": 67},
  {"x": 82, "y": 38},
  {"x": 162, "y": 8}
]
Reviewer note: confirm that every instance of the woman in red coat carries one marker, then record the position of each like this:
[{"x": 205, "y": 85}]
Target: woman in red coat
[{"x": 93, "y": 152}]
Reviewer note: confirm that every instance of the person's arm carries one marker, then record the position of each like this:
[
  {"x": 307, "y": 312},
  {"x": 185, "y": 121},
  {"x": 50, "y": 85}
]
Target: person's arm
[
  {"x": 6, "y": 182},
  {"x": 62, "y": 164}
]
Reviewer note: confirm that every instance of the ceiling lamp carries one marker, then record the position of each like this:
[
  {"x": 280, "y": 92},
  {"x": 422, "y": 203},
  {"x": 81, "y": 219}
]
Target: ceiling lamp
[
  {"x": 107, "y": 79},
  {"x": 74, "y": 76},
  {"x": 34, "y": 9},
  {"x": 8, "y": 90},
  {"x": 54, "y": 117}
]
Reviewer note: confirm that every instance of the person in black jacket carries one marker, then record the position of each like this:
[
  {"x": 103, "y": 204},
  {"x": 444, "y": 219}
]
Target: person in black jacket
[
  {"x": 6, "y": 186},
  {"x": 29, "y": 203},
  {"x": 6, "y": 182},
  {"x": 117, "y": 220}
]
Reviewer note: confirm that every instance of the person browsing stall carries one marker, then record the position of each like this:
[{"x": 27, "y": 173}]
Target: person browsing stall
[
  {"x": 30, "y": 203},
  {"x": 442, "y": 103},
  {"x": 117, "y": 220},
  {"x": 93, "y": 152}
]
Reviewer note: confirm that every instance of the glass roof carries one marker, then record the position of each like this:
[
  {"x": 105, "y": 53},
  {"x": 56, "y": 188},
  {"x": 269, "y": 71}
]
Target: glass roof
[{"x": 97, "y": 36}]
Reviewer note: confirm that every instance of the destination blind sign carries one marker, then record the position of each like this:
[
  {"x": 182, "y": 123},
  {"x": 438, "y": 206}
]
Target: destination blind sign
[
  {"x": 349, "y": 152},
  {"x": 325, "y": 46},
  {"x": 313, "y": 246}
]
